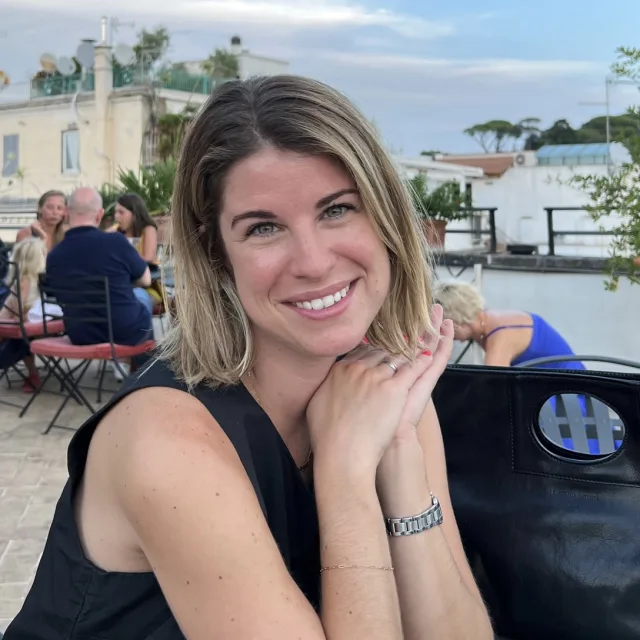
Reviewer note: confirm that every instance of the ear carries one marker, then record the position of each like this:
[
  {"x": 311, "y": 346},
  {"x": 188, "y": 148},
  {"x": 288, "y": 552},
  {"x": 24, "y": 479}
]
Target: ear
[{"x": 100, "y": 216}]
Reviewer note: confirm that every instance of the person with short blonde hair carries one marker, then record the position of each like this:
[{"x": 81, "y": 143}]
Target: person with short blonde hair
[
  {"x": 509, "y": 338},
  {"x": 28, "y": 261},
  {"x": 268, "y": 474}
]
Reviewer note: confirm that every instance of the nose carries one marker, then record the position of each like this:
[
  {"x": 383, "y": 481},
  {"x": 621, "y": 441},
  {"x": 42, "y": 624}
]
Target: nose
[{"x": 312, "y": 254}]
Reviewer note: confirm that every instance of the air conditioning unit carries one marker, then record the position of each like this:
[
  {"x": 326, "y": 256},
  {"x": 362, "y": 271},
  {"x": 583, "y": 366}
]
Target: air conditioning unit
[{"x": 521, "y": 160}]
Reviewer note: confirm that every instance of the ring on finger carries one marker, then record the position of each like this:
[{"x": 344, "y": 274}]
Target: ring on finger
[{"x": 390, "y": 364}]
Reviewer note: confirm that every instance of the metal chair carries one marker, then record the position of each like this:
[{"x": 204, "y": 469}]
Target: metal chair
[
  {"x": 94, "y": 310},
  {"x": 16, "y": 327}
]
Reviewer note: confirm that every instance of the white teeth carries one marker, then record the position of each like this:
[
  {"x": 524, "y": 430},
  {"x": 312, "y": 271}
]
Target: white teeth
[{"x": 323, "y": 303}]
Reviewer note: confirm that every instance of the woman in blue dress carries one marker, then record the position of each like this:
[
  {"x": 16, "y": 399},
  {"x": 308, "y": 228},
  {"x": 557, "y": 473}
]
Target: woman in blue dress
[{"x": 509, "y": 338}]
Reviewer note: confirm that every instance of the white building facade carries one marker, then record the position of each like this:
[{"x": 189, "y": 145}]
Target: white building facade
[{"x": 529, "y": 182}]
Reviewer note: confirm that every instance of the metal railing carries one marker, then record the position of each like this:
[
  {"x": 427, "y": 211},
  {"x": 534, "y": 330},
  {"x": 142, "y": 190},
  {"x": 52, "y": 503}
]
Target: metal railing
[
  {"x": 552, "y": 232},
  {"x": 175, "y": 80},
  {"x": 478, "y": 231},
  {"x": 62, "y": 85}
]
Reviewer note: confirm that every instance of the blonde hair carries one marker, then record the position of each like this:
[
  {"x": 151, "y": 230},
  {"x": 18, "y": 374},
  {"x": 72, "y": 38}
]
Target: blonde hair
[
  {"x": 461, "y": 302},
  {"x": 210, "y": 339},
  {"x": 30, "y": 257}
]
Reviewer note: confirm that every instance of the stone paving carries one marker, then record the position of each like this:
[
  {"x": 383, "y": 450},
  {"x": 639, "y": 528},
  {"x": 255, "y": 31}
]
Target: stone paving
[{"x": 32, "y": 474}]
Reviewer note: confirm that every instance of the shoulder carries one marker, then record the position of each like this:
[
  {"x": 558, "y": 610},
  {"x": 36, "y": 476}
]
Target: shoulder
[
  {"x": 163, "y": 441},
  {"x": 179, "y": 484}
]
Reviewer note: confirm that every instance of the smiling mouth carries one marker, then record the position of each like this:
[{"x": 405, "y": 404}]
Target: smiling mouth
[{"x": 326, "y": 301}]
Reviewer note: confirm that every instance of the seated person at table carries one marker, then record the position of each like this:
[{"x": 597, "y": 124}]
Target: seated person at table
[
  {"x": 86, "y": 251},
  {"x": 29, "y": 255},
  {"x": 136, "y": 224},
  {"x": 509, "y": 338},
  {"x": 50, "y": 224}
]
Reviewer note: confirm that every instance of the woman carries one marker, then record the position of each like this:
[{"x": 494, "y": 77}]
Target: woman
[
  {"x": 238, "y": 487},
  {"x": 30, "y": 257},
  {"x": 134, "y": 221},
  {"x": 508, "y": 338},
  {"x": 50, "y": 221}
]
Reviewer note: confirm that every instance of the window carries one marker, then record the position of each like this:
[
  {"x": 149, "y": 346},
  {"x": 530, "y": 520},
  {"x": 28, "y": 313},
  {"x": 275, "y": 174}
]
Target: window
[
  {"x": 10, "y": 158},
  {"x": 71, "y": 151}
]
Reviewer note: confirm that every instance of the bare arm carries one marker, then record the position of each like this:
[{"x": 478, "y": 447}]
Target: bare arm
[
  {"x": 150, "y": 244},
  {"x": 144, "y": 280},
  {"x": 194, "y": 511},
  {"x": 357, "y": 602},
  {"x": 438, "y": 594},
  {"x": 501, "y": 348},
  {"x": 23, "y": 234},
  {"x": 10, "y": 311}
]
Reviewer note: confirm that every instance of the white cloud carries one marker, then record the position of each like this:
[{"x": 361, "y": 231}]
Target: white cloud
[
  {"x": 460, "y": 68},
  {"x": 293, "y": 13}
]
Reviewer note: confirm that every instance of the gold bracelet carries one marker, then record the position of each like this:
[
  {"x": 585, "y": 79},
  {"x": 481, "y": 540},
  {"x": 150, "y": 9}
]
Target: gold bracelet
[{"x": 355, "y": 566}]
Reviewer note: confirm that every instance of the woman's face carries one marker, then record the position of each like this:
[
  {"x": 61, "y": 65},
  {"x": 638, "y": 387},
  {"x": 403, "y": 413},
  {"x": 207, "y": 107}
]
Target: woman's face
[
  {"x": 53, "y": 211},
  {"x": 309, "y": 268},
  {"x": 123, "y": 217}
]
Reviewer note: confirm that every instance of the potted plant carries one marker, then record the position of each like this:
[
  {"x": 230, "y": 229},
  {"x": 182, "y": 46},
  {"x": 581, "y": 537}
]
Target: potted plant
[{"x": 436, "y": 207}]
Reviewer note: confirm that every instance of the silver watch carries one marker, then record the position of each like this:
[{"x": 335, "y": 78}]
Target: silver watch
[{"x": 428, "y": 519}]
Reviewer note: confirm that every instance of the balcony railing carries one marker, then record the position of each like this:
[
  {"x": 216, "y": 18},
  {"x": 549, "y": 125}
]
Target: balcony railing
[
  {"x": 62, "y": 85},
  {"x": 553, "y": 233},
  {"x": 174, "y": 80},
  {"x": 124, "y": 77},
  {"x": 475, "y": 226}
]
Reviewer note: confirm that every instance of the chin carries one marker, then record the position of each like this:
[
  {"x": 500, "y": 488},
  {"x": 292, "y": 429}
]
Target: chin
[{"x": 333, "y": 347}]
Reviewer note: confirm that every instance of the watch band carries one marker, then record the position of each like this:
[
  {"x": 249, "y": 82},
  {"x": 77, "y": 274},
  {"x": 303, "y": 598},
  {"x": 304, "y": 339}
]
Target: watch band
[{"x": 428, "y": 519}]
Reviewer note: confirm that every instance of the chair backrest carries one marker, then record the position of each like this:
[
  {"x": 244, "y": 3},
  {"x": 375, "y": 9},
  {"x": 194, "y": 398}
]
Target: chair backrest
[
  {"x": 84, "y": 301},
  {"x": 11, "y": 292}
]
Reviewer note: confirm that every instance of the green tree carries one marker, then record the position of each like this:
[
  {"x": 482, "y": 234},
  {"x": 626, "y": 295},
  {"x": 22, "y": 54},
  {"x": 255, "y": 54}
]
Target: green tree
[
  {"x": 151, "y": 47},
  {"x": 617, "y": 195},
  {"x": 445, "y": 202},
  {"x": 221, "y": 64},
  {"x": 494, "y": 135},
  {"x": 171, "y": 128},
  {"x": 153, "y": 184}
]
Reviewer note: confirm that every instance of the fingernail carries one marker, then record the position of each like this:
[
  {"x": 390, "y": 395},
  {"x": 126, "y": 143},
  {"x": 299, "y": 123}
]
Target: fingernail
[
  {"x": 426, "y": 352},
  {"x": 365, "y": 340}
]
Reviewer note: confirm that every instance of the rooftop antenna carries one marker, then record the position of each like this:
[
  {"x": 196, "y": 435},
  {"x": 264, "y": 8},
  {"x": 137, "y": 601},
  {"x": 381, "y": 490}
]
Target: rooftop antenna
[
  {"x": 115, "y": 24},
  {"x": 124, "y": 54},
  {"x": 85, "y": 54},
  {"x": 66, "y": 66}
]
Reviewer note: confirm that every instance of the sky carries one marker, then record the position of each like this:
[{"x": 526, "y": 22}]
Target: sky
[{"x": 422, "y": 70}]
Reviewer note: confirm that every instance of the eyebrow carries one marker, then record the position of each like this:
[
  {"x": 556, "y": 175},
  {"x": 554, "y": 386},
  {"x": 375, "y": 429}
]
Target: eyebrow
[{"x": 262, "y": 214}]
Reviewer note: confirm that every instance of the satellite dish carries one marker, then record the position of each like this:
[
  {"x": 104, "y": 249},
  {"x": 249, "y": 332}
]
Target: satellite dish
[
  {"x": 48, "y": 62},
  {"x": 66, "y": 66},
  {"x": 4, "y": 80},
  {"x": 124, "y": 54},
  {"x": 84, "y": 54}
]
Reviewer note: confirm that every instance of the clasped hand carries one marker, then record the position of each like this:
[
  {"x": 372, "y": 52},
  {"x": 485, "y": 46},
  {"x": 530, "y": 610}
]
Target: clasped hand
[{"x": 364, "y": 404}]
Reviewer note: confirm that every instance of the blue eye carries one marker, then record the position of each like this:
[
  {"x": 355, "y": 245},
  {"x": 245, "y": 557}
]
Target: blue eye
[
  {"x": 338, "y": 210},
  {"x": 261, "y": 229}
]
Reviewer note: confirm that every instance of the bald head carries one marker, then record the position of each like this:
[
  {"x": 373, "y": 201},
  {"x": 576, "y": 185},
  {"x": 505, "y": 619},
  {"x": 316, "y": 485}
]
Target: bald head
[{"x": 85, "y": 207}]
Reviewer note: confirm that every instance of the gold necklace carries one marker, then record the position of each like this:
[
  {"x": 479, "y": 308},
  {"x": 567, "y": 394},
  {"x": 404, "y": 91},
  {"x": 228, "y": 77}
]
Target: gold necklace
[{"x": 307, "y": 461}]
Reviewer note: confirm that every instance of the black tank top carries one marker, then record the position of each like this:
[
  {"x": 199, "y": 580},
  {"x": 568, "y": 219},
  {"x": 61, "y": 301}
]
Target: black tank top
[{"x": 72, "y": 599}]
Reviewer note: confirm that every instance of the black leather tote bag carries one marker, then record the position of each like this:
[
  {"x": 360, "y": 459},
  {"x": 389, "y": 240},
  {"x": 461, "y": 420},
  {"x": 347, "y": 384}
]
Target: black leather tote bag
[{"x": 552, "y": 533}]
